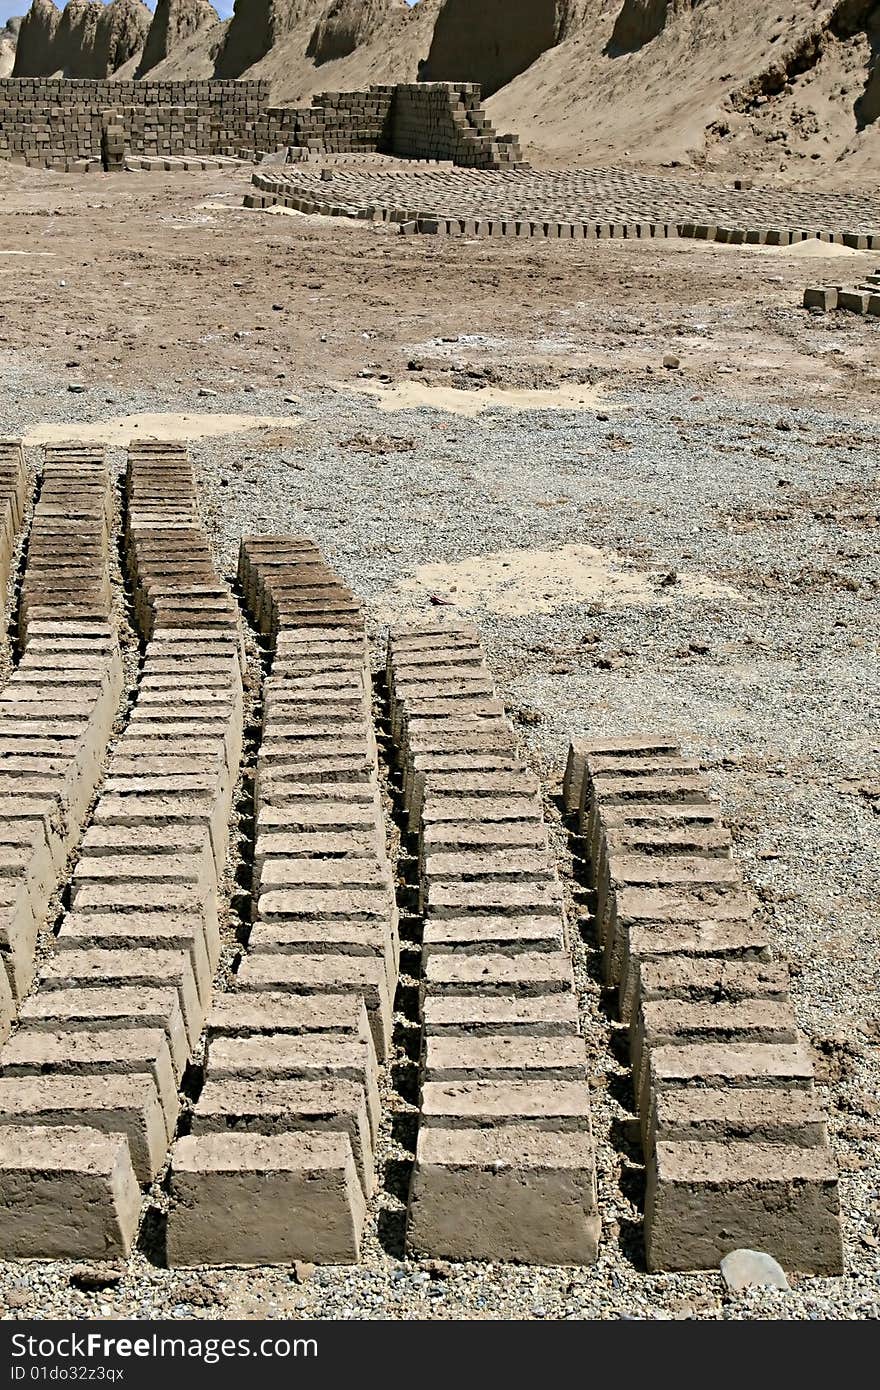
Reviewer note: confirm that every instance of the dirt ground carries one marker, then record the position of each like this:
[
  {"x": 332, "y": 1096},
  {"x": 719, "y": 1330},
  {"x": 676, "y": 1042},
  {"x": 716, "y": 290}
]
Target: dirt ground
[{"x": 141, "y": 278}]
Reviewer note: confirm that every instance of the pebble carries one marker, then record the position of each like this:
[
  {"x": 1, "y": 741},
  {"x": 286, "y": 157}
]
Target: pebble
[{"x": 752, "y": 1269}]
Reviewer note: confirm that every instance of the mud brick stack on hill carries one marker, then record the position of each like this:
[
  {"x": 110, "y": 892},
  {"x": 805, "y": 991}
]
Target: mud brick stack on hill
[
  {"x": 735, "y": 1146},
  {"x": 89, "y": 1081},
  {"x": 279, "y": 1164},
  {"x": 504, "y": 1161}
]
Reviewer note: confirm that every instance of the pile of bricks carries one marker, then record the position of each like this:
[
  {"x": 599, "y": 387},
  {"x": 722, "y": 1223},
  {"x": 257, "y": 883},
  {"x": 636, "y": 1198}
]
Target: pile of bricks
[
  {"x": 504, "y": 1162},
  {"x": 89, "y": 1081},
  {"x": 279, "y": 1164},
  {"x": 735, "y": 1146},
  {"x": 863, "y": 298}
]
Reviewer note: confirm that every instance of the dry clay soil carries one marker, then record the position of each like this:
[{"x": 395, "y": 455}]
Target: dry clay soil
[{"x": 751, "y": 464}]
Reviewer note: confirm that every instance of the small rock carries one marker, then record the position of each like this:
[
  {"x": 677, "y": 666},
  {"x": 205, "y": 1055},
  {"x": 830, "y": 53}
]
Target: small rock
[
  {"x": 91, "y": 1278},
  {"x": 206, "y": 391},
  {"x": 602, "y": 415},
  {"x": 668, "y": 580},
  {"x": 752, "y": 1269},
  {"x": 671, "y": 362},
  {"x": 302, "y": 1271},
  {"x": 77, "y": 387},
  {"x": 16, "y": 1298}
]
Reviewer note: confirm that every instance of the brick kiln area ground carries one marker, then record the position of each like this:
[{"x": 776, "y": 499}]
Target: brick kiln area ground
[{"x": 732, "y": 597}]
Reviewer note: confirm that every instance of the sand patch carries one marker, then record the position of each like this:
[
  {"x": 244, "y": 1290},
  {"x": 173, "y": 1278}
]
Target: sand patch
[
  {"x": 120, "y": 430},
  {"x": 414, "y": 395},
  {"x": 514, "y": 583}
]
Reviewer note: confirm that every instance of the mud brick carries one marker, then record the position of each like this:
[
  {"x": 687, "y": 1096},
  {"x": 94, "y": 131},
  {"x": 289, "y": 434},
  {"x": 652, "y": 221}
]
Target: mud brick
[
  {"x": 704, "y": 1200},
  {"x": 282, "y": 1056},
  {"x": 269, "y": 1106},
  {"x": 731, "y": 1115},
  {"x": 313, "y": 976},
  {"x": 49, "y": 1174},
  {"x": 707, "y": 980},
  {"x": 102, "y": 1008},
  {"x": 501, "y": 935},
  {"x": 134, "y": 967},
  {"x": 582, "y": 750},
  {"x": 508, "y": 1193},
  {"x": 824, "y": 297},
  {"x": 692, "y": 876},
  {"x": 279, "y": 847},
  {"x": 239, "y": 1014},
  {"x": 509, "y": 864},
  {"x": 264, "y": 1200},
  {"x": 527, "y": 974},
  {"x": 33, "y": 1052},
  {"x": 522, "y": 898},
  {"x": 148, "y": 930},
  {"x": 673, "y": 1022},
  {"x": 334, "y": 937},
  {"x": 687, "y": 950},
  {"x": 305, "y": 816},
  {"x": 127, "y": 1104},
  {"x": 477, "y": 1016},
  {"x": 450, "y": 838}
]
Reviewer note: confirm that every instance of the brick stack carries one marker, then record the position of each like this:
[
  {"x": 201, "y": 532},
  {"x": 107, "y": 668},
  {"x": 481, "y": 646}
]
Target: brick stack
[
  {"x": 336, "y": 122},
  {"x": 863, "y": 298},
  {"x": 13, "y": 499},
  {"x": 60, "y": 121},
  {"x": 446, "y": 120},
  {"x": 121, "y": 1004},
  {"x": 735, "y": 1146},
  {"x": 504, "y": 1162},
  {"x": 280, "y": 1161}
]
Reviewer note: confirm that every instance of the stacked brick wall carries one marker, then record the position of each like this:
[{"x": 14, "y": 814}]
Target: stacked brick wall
[{"x": 42, "y": 118}]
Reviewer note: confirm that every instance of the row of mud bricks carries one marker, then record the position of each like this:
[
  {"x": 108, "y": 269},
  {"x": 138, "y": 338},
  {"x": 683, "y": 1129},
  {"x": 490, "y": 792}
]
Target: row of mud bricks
[
  {"x": 504, "y": 1162},
  {"x": 864, "y": 298},
  {"x": 735, "y": 1146},
  {"x": 89, "y": 1078}
]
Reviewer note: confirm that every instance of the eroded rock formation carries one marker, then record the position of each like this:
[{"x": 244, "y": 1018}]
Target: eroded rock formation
[
  {"x": 492, "y": 41},
  {"x": 640, "y": 21},
  {"x": 346, "y": 24},
  {"x": 256, "y": 26},
  {"x": 174, "y": 22},
  {"x": 86, "y": 39}
]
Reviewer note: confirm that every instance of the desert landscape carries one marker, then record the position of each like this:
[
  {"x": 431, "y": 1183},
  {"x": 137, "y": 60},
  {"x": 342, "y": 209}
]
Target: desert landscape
[{"x": 439, "y": 693}]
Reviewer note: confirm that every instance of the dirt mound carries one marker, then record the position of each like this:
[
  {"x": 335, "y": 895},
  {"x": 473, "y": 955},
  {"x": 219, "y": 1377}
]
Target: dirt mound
[
  {"x": 8, "y": 40},
  {"x": 258, "y": 26},
  {"x": 346, "y": 24},
  {"x": 174, "y": 22},
  {"x": 492, "y": 41},
  {"x": 86, "y": 39}
]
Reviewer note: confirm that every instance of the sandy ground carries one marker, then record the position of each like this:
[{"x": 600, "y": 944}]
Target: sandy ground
[{"x": 691, "y": 550}]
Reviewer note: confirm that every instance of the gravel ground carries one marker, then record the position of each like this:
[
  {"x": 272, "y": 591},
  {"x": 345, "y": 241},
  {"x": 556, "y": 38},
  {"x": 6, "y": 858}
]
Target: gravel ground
[{"x": 775, "y": 686}]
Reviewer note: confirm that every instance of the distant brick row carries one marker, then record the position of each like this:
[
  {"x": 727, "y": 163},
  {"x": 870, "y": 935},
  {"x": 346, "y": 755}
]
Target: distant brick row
[
  {"x": 89, "y": 1081},
  {"x": 504, "y": 1161},
  {"x": 280, "y": 1164},
  {"x": 573, "y": 204},
  {"x": 735, "y": 1145}
]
